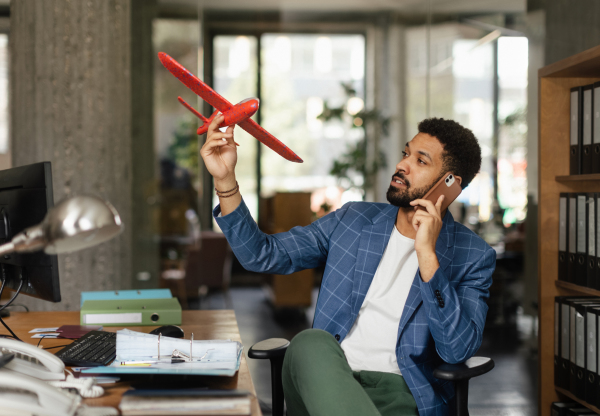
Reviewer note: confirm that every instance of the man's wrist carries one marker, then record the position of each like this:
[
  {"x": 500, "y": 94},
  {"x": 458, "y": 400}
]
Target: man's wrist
[
  {"x": 225, "y": 184},
  {"x": 428, "y": 264}
]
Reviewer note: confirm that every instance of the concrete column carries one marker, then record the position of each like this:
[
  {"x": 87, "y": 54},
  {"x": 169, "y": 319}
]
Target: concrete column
[
  {"x": 144, "y": 249},
  {"x": 75, "y": 85},
  {"x": 391, "y": 103},
  {"x": 385, "y": 92}
]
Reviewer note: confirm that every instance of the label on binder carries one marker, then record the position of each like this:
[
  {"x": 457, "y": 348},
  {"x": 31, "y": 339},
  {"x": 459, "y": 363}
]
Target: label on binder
[
  {"x": 591, "y": 341},
  {"x": 113, "y": 318},
  {"x": 572, "y": 225},
  {"x": 562, "y": 228},
  {"x": 579, "y": 341}
]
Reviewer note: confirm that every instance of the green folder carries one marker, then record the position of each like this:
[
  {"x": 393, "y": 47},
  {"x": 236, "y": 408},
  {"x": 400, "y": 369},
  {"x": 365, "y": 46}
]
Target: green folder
[{"x": 132, "y": 312}]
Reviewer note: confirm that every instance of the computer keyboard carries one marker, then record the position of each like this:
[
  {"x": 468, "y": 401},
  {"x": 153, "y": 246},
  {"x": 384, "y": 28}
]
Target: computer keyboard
[{"x": 91, "y": 350}]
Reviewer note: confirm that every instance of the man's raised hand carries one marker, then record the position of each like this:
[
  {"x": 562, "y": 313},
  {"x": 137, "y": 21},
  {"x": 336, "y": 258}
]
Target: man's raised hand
[
  {"x": 219, "y": 152},
  {"x": 428, "y": 225}
]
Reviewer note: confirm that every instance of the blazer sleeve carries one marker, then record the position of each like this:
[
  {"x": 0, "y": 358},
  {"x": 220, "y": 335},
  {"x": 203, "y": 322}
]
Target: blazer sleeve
[
  {"x": 283, "y": 253},
  {"x": 457, "y": 315}
]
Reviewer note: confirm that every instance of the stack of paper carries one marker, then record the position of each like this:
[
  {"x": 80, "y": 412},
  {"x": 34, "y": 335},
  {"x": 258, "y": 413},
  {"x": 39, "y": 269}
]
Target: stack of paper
[
  {"x": 141, "y": 353},
  {"x": 185, "y": 402}
]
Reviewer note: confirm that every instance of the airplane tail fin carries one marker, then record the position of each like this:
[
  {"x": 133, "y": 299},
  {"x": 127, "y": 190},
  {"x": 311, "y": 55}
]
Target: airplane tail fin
[
  {"x": 192, "y": 109},
  {"x": 204, "y": 128},
  {"x": 206, "y": 121}
]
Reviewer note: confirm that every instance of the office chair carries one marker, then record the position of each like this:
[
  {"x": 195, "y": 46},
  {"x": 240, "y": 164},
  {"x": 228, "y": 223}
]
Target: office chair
[{"x": 274, "y": 350}]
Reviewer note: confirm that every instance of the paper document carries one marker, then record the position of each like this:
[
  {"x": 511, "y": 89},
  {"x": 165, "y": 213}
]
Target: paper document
[{"x": 141, "y": 353}]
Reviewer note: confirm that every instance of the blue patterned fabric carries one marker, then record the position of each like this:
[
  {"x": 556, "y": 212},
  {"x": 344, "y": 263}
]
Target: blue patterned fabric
[{"x": 442, "y": 320}]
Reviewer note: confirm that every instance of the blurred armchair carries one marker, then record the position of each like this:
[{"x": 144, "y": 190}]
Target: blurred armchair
[{"x": 206, "y": 266}]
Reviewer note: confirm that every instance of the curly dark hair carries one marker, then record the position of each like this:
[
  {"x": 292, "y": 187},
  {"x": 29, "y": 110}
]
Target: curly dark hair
[{"x": 462, "y": 154}]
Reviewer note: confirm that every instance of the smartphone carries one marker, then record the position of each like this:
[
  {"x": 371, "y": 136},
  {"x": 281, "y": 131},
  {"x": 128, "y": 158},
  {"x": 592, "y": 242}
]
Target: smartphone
[{"x": 448, "y": 186}]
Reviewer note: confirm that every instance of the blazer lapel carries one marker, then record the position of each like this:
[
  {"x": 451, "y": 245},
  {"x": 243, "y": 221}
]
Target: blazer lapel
[
  {"x": 373, "y": 241},
  {"x": 444, "y": 248}
]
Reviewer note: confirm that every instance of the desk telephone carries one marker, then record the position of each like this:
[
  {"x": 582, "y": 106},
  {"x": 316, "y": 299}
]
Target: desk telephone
[
  {"x": 29, "y": 384},
  {"x": 32, "y": 361}
]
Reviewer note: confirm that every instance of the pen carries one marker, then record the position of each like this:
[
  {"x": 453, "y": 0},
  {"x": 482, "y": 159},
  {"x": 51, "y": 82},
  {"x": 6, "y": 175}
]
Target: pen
[
  {"x": 138, "y": 362},
  {"x": 137, "y": 365}
]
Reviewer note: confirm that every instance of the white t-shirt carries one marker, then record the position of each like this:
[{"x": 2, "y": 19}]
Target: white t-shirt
[{"x": 371, "y": 343}]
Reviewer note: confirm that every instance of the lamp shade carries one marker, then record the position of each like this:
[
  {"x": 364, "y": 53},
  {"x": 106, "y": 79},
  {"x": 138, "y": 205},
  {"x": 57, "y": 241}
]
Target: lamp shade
[
  {"x": 80, "y": 222},
  {"x": 73, "y": 224}
]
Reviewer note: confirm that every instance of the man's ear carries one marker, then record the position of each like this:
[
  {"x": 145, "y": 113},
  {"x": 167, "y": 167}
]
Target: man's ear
[{"x": 458, "y": 178}]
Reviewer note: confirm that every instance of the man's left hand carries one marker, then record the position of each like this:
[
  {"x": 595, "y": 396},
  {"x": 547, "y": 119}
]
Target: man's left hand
[{"x": 428, "y": 224}]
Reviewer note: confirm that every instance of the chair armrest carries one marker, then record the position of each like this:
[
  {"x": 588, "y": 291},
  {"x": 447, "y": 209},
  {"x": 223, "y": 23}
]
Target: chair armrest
[
  {"x": 269, "y": 348},
  {"x": 473, "y": 367},
  {"x": 274, "y": 350}
]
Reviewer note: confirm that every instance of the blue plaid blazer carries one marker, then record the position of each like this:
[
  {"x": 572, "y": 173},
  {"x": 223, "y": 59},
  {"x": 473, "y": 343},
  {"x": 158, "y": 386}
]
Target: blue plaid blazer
[{"x": 442, "y": 320}]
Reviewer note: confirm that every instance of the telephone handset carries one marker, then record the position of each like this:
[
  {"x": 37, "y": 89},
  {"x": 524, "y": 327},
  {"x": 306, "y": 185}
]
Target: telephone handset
[
  {"x": 32, "y": 361},
  {"x": 21, "y": 394}
]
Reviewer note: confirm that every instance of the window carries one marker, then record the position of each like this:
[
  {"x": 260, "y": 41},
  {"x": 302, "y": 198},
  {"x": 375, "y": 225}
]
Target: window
[
  {"x": 299, "y": 74},
  {"x": 235, "y": 78}
]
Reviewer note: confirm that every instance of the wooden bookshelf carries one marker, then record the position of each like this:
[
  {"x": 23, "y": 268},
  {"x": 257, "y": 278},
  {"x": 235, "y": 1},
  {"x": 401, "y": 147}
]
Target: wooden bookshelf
[
  {"x": 571, "y": 396},
  {"x": 576, "y": 289},
  {"x": 555, "y": 82},
  {"x": 578, "y": 178}
]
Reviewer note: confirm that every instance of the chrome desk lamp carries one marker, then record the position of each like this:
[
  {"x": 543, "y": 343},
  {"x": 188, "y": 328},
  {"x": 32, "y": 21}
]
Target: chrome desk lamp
[{"x": 73, "y": 224}]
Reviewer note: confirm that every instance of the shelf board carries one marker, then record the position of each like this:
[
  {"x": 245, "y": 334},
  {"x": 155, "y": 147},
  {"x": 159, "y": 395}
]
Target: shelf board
[
  {"x": 576, "y": 288},
  {"x": 575, "y": 398},
  {"x": 573, "y": 178},
  {"x": 584, "y": 64}
]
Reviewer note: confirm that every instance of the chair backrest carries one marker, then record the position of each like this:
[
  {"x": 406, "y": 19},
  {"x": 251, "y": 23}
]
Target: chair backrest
[{"x": 209, "y": 265}]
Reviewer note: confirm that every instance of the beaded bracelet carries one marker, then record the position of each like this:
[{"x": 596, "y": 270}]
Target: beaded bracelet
[
  {"x": 224, "y": 192},
  {"x": 235, "y": 191}
]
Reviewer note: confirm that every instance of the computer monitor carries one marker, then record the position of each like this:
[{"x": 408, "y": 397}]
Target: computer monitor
[{"x": 25, "y": 198}]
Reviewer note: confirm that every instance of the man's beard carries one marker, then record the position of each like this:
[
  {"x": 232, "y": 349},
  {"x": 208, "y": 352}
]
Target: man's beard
[{"x": 403, "y": 197}]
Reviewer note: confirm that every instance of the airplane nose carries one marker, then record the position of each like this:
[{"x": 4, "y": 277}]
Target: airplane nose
[
  {"x": 163, "y": 57},
  {"x": 252, "y": 105}
]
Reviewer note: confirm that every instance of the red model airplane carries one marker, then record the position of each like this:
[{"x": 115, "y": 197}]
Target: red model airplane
[{"x": 234, "y": 114}]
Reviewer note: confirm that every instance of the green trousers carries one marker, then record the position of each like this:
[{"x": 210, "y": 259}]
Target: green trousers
[{"x": 318, "y": 381}]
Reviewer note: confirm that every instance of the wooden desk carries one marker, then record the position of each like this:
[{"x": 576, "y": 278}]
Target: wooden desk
[{"x": 219, "y": 324}]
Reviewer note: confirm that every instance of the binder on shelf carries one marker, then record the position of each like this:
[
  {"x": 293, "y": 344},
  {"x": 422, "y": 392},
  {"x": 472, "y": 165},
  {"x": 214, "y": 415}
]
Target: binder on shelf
[
  {"x": 582, "y": 240},
  {"x": 564, "y": 379},
  {"x": 572, "y": 241},
  {"x": 561, "y": 326},
  {"x": 581, "y": 343},
  {"x": 572, "y": 349},
  {"x": 596, "y": 128},
  {"x": 597, "y": 231},
  {"x": 591, "y": 236},
  {"x": 563, "y": 232},
  {"x": 131, "y": 312},
  {"x": 591, "y": 348},
  {"x": 596, "y": 389},
  {"x": 577, "y": 353},
  {"x": 576, "y": 132},
  {"x": 586, "y": 119},
  {"x": 560, "y": 373}
]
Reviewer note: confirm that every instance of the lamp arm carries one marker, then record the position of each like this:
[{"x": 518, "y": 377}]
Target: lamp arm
[
  {"x": 30, "y": 239},
  {"x": 7, "y": 248}
]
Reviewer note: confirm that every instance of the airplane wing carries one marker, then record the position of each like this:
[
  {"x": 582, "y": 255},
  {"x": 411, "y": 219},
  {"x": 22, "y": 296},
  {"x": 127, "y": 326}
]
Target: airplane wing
[
  {"x": 193, "y": 83},
  {"x": 269, "y": 140}
]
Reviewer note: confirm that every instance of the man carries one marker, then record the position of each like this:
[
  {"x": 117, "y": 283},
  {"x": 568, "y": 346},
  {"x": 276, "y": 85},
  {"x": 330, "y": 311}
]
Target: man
[{"x": 403, "y": 289}]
